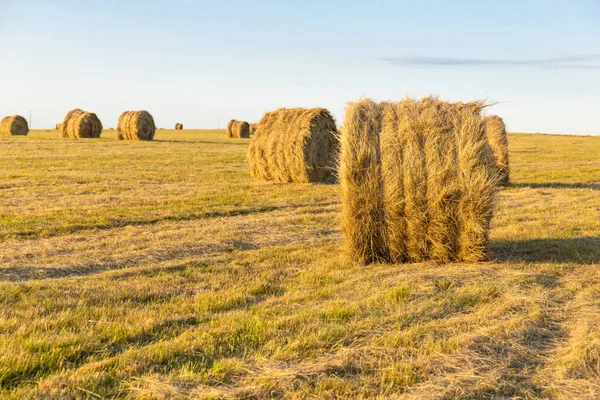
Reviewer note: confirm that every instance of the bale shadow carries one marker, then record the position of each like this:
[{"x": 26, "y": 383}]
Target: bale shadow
[
  {"x": 555, "y": 185},
  {"x": 583, "y": 250}
]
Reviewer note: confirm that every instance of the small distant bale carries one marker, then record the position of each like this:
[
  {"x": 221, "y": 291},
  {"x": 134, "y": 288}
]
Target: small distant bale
[
  {"x": 13, "y": 126},
  {"x": 178, "y": 126},
  {"x": 253, "y": 129},
  {"x": 57, "y": 127},
  {"x": 79, "y": 124},
  {"x": 418, "y": 181},
  {"x": 295, "y": 145},
  {"x": 136, "y": 125},
  {"x": 238, "y": 129},
  {"x": 498, "y": 141}
]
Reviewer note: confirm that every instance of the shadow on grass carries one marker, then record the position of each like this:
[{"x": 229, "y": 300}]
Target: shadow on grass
[
  {"x": 555, "y": 185},
  {"x": 584, "y": 250}
]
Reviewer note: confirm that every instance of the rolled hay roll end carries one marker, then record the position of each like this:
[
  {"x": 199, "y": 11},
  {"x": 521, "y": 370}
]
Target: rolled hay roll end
[
  {"x": 136, "y": 125},
  {"x": 295, "y": 145},
  {"x": 79, "y": 124},
  {"x": 238, "y": 129},
  {"x": 14, "y": 125}
]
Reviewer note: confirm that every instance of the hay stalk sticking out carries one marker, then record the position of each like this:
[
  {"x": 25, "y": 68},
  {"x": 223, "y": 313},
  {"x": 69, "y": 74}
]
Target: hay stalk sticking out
[
  {"x": 295, "y": 145},
  {"x": 13, "y": 126},
  {"x": 81, "y": 124},
  {"x": 433, "y": 181},
  {"x": 238, "y": 129},
  {"x": 498, "y": 140},
  {"x": 135, "y": 125}
]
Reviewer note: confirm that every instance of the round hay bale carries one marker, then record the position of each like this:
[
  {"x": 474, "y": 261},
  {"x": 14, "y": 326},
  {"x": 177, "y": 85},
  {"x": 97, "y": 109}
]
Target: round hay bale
[
  {"x": 295, "y": 145},
  {"x": 13, "y": 126},
  {"x": 135, "y": 125},
  {"x": 417, "y": 181},
  {"x": 178, "y": 126},
  {"x": 238, "y": 129},
  {"x": 57, "y": 127},
  {"x": 498, "y": 141},
  {"x": 79, "y": 124},
  {"x": 253, "y": 129}
]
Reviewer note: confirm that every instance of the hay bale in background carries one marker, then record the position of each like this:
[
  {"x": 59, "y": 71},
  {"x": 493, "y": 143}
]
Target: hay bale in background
[
  {"x": 135, "y": 125},
  {"x": 81, "y": 124},
  {"x": 238, "y": 129},
  {"x": 178, "y": 126},
  {"x": 437, "y": 177},
  {"x": 478, "y": 179},
  {"x": 13, "y": 126},
  {"x": 295, "y": 145},
  {"x": 362, "y": 192},
  {"x": 57, "y": 127},
  {"x": 253, "y": 129},
  {"x": 498, "y": 141}
]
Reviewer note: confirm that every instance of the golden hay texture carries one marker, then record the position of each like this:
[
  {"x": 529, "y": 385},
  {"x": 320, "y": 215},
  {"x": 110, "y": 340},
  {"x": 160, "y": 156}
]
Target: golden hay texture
[
  {"x": 178, "y": 126},
  {"x": 135, "y": 125},
  {"x": 431, "y": 179},
  {"x": 13, "y": 126},
  {"x": 80, "y": 124},
  {"x": 498, "y": 140},
  {"x": 363, "y": 218},
  {"x": 295, "y": 145},
  {"x": 57, "y": 127},
  {"x": 238, "y": 129},
  {"x": 253, "y": 129}
]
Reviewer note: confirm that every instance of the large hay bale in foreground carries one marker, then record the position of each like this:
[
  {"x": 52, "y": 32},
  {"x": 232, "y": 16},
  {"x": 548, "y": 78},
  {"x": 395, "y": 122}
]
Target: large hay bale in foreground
[
  {"x": 429, "y": 194},
  {"x": 178, "y": 126},
  {"x": 498, "y": 140},
  {"x": 295, "y": 145},
  {"x": 13, "y": 126},
  {"x": 135, "y": 125},
  {"x": 81, "y": 124},
  {"x": 238, "y": 129}
]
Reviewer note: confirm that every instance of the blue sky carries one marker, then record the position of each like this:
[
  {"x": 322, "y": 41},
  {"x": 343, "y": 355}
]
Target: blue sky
[{"x": 204, "y": 62}]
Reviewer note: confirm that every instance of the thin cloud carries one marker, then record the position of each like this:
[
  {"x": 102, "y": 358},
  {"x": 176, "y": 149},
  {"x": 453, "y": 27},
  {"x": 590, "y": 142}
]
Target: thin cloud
[{"x": 590, "y": 61}]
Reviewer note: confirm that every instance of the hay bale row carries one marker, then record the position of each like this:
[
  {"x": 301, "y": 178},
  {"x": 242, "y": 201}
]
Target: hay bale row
[
  {"x": 136, "y": 125},
  {"x": 13, "y": 126},
  {"x": 238, "y": 129},
  {"x": 295, "y": 145},
  {"x": 498, "y": 140},
  {"x": 418, "y": 181},
  {"x": 178, "y": 126},
  {"x": 80, "y": 124}
]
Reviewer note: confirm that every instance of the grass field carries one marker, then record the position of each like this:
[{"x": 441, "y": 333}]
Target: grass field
[{"x": 161, "y": 270}]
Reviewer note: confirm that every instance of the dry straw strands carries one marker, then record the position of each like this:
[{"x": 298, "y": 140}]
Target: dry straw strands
[
  {"x": 498, "y": 140},
  {"x": 135, "y": 125},
  {"x": 295, "y": 145},
  {"x": 363, "y": 218},
  {"x": 238, "y": 129},
  {"x": 418, "y": 181},
  {"x": 178, "y": 126},
  {"x": 81, "y": 124},
  {"x": 13, "y": 125}
]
